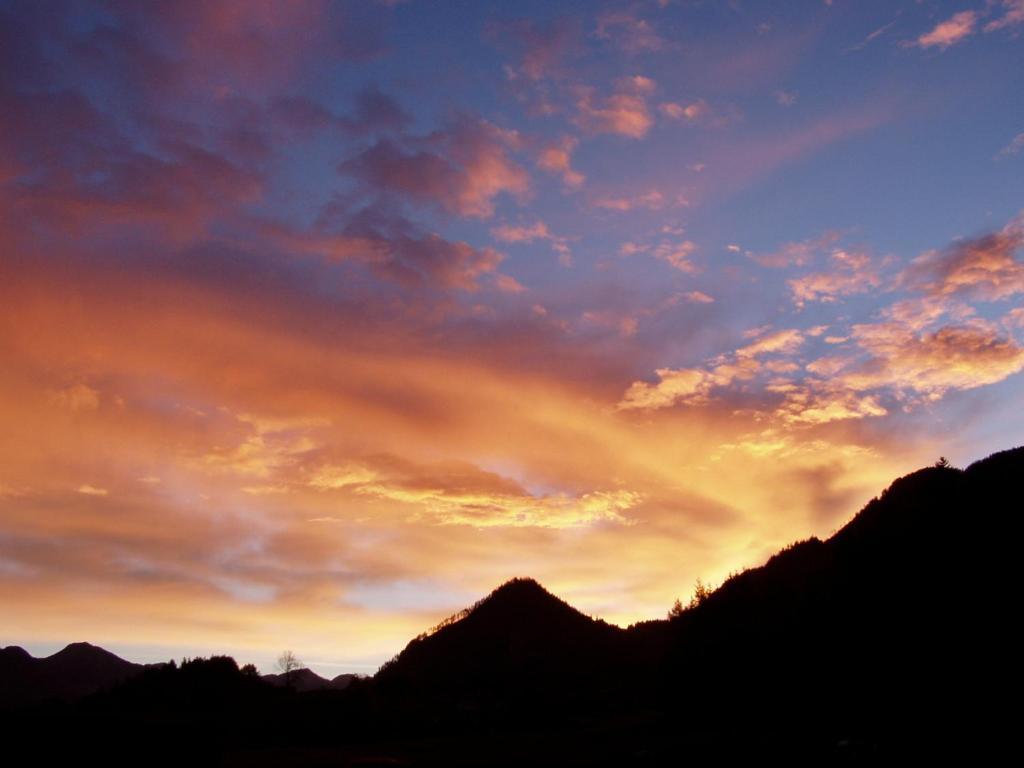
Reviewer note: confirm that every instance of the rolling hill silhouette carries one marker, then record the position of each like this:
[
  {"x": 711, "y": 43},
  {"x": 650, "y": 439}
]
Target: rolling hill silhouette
[{"x": 892, "y": 637}]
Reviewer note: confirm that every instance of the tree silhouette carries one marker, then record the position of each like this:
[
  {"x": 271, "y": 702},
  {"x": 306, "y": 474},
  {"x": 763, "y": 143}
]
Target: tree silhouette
[
  {"x": 288, "y": 663},
  {"x": 676, "y": 609},
  {"x": 700, "y": 593},
  {"x": 942, "y": 463}
]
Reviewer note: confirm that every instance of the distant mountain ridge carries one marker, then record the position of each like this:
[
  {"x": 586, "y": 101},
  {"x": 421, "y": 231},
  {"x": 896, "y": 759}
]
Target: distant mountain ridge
[
  {"x": 302, "y": 680},
  {"x": 75, "y": 671},
  {"x": 81, "y": 669}
]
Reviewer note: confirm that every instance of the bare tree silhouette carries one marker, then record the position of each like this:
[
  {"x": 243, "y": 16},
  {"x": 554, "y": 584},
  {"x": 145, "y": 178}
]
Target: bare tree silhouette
[{"x": 288, "y": 663}]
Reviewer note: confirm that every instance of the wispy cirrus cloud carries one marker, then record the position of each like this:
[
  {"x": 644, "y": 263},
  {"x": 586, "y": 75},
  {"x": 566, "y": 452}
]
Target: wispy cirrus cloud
[
  {"x": 799, "y": 253},
  {"x": 1015, "y": 147}
]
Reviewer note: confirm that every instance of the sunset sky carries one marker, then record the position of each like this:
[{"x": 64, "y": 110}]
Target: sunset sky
[{"x": 320, "y": 320}]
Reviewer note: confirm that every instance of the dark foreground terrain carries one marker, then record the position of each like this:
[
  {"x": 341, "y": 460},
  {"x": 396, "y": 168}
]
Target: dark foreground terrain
[{"x": 888, "y": 642}]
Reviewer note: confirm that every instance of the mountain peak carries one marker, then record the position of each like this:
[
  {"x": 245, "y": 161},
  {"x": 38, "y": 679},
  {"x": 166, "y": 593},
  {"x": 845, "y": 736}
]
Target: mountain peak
[
  {"x": 520, "y": 586},
  {"x": 84, "y": 650},
  {"x": 519, "y": 632},
  {"x": 520, "y": 600}
]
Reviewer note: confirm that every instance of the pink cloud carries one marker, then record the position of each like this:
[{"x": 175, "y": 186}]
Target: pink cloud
[
  {"x": 625, "y": 325},
  {"x": 629, "y": 32},
  {"x": 950, "y": 32},
  {"x": 852, "y": 273},
  {"x": 698, "y": 297},
  {"x": 985, "y": 267},
  {"x": 557, "y": 158},
  {"x": 677, "y": 255},
  {"x": 522, "y": 234},
  {"x": 695, "y": 110},
  {"x": 652, "y": 200},
  {"x": 1012, "y": 16},
  {"x": 508, "y": 284},
  {"x": 1014, "y": 147},
  {"x": 536, "y": 231},
  {"x": 541, "y": 48},
  {"x": 625, "y": 112},
  {"x": 796, "y": 254}
]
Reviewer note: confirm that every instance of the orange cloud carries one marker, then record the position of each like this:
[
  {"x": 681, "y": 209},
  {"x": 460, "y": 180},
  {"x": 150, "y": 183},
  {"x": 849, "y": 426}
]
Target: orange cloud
[
  {"x": 802, "y": 407},
  {"x": 90, "y": 490},
  {"x": 952, "y": 357},
  {"x": 784, "y": 342},
  {"x": 694, "y": 386}
]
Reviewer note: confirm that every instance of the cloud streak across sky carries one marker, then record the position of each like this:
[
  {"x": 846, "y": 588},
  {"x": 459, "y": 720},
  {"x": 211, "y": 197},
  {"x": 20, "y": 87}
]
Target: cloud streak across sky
[{"x": 308, "y": 344}]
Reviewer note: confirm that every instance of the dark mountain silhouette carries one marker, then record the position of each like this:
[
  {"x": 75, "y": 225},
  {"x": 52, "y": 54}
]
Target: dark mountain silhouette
[
  {"x": 889, "y": 640},
  {"x": 303, "y": 680},
  {"x": 77, "y": 670},
  {"x": 517, "y": 639},
  {"x": 908, "y": 598}
]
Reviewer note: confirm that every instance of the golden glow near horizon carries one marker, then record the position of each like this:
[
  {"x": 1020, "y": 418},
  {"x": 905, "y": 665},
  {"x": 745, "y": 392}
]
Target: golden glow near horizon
[{"x": 294, "y": 358}]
